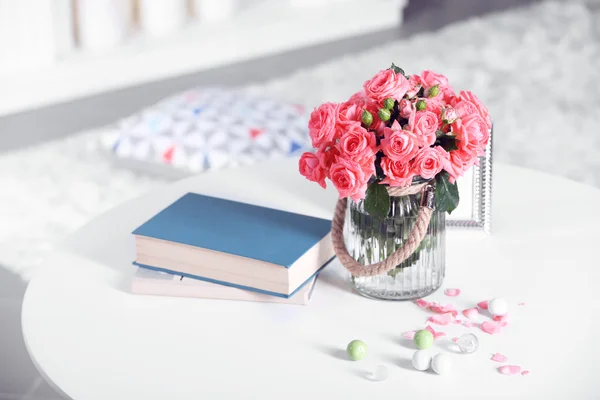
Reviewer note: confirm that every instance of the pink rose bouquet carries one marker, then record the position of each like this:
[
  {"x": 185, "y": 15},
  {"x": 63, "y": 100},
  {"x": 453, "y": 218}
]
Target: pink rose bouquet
[{"x": 394, "y": 131}]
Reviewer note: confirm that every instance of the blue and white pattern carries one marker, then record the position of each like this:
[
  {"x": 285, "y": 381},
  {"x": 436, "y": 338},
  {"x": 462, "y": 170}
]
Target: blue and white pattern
[{"x": 210, "y": 128}]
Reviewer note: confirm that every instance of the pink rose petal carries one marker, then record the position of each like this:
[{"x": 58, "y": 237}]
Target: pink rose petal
[
  {"x": 440, "y": 309},
  {"x": 469, "y": 324},
  {"x": 490, "y": 327},
  {"x": 471, "y": 313},
  {"x": 423, "y": 303},
  {"x": 502, "y": 324},
  {"x": 500, "y": 318},
  {"x": 452, "y": 292},
  {"x": 509, "y": 369},
  {"x": 455, "y": 340},
  {"x": 435, "y": 334},
  {"x": 483, "y": 304},
  {"x": 525, "y": 373},
  {"x": 499, "y": 357},
  {"x": 443, "y": 319},
  {"x": 438, "y": 335},
  {"x": 409, "y": 335},
  {"x": 522, "y": 304}
]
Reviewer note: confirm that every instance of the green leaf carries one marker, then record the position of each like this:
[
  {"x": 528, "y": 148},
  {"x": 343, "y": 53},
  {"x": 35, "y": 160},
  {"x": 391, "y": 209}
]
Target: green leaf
[
  {"x": 397, "y": 70},
  {"x": 448, "y": 143},
  {"x": 446, "y": 193},
  {"x": 377, "y": 201},
  {"x": 439, "y": 133}
]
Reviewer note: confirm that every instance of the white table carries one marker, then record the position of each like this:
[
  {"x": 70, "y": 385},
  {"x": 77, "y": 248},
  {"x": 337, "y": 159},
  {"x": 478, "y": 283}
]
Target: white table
[{"x": 94, "y": 340}]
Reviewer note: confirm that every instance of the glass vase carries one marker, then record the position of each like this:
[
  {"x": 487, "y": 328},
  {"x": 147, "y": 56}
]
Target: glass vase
[{"x": 370, "y": 240}]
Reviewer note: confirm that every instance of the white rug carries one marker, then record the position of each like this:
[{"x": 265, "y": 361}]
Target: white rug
[{"x": 537, "y": 68}]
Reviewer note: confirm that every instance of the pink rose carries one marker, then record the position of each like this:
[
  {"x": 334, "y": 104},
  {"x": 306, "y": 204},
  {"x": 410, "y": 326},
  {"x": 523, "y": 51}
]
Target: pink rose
[
  {"x": 429, "y": 161},
  {"x": 310, "y": 168},
  {"x": 358, "y": 98},
  {"x": 349, "y": 179},
  {"x": 416, "y": 84},
  {"x": 449, "y": 115},
  {"x": 396, "y": 173},
  {"x": 436, "y": 106},
  {"x": 430, "y": 79},
  {"x": 458, "y": 163},
  {"x": 405, "y": 107},
  {"x": 349, "y": 113},
  {"x": 399, "y": 145},
  {"x": 326, "y": 157},
  {"x": 481, "y": 109},
  {"x": 472, "y": 134},
  {"x": 425, "y": 125},
  {"x": 358, "y": 144},
  {"x": 463, "y": 107},
  {"x": 322, "y": 123},
  {"x": 384, "y": 84}
]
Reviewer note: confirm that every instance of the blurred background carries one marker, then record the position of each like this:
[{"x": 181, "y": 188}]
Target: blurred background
[{"x": 93, "y": 94}]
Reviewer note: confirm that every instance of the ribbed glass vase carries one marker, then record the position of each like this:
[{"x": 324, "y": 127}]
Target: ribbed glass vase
[{"x": 370, "y": 240}]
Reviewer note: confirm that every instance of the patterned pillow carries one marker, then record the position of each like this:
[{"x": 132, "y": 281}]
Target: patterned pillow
[{"x": 209, "y": 128}]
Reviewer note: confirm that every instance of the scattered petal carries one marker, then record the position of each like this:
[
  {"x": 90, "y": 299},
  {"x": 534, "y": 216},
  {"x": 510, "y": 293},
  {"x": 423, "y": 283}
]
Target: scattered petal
[
  {"x": 500, "y": 318},
  {"x": 455, "y": 339},
  {"x": 471, "y": 313},
  {"x": 409, "y": 335},
  {"x": 490, "y": 327},
  {"x": 435, "y": 334},
  {"x": 522, "y": 304},
  {"x": 440, "y": 309},
  {"x": 443, "y": 319},
  {"x": 509, "y": 369},
  {"x": 469, "y": 324},
  {"x": 438, "y": 335},
  {"x": 502, "y": 324},
  {"x": 452, "y": 292},
  {"x": 423, "y": 303},
  {"x": 483, "y": 304},
  {"x": 499, "y": 357},
  {"x": 526, "y": 372}
]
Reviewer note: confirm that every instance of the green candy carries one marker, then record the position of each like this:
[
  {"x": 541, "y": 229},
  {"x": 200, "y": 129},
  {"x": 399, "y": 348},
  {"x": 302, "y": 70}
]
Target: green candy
[
  {"x": 423, "y": 339},
  {"x": 356, "y": 350}
]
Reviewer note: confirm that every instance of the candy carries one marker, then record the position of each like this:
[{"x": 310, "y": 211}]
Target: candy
[
  {"x": 468, "y": 343},
  {"x": 423, "y": 339},
  {"x": 441, "y": 364},
  {"x": 356, "y": 350},
  {"x": 381, "y": 373},
  {"x": 421, "y": 360},
  {"x": 498, "y": 306}
]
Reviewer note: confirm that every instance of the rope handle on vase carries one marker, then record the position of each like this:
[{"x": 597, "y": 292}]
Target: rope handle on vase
[{"x": 416, "y": 235}]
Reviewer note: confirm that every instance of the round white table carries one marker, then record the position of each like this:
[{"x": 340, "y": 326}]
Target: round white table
[{"x": 94, "y": 340}]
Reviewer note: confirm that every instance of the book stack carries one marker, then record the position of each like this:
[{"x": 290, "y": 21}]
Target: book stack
[{"x": 206, "y": 247}]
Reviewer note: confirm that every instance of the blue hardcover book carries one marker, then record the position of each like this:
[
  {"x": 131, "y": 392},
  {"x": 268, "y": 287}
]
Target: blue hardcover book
[{"x": 235, "y": 244}]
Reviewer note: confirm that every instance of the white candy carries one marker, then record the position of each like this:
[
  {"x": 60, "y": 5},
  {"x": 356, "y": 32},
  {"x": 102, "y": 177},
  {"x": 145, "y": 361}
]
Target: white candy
[
  {"x": 498, "y": 307},
  {"x": 381, "y": 373},
  {"x": 441, "y": 364},
  {"x": 421, "y": 360}
]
